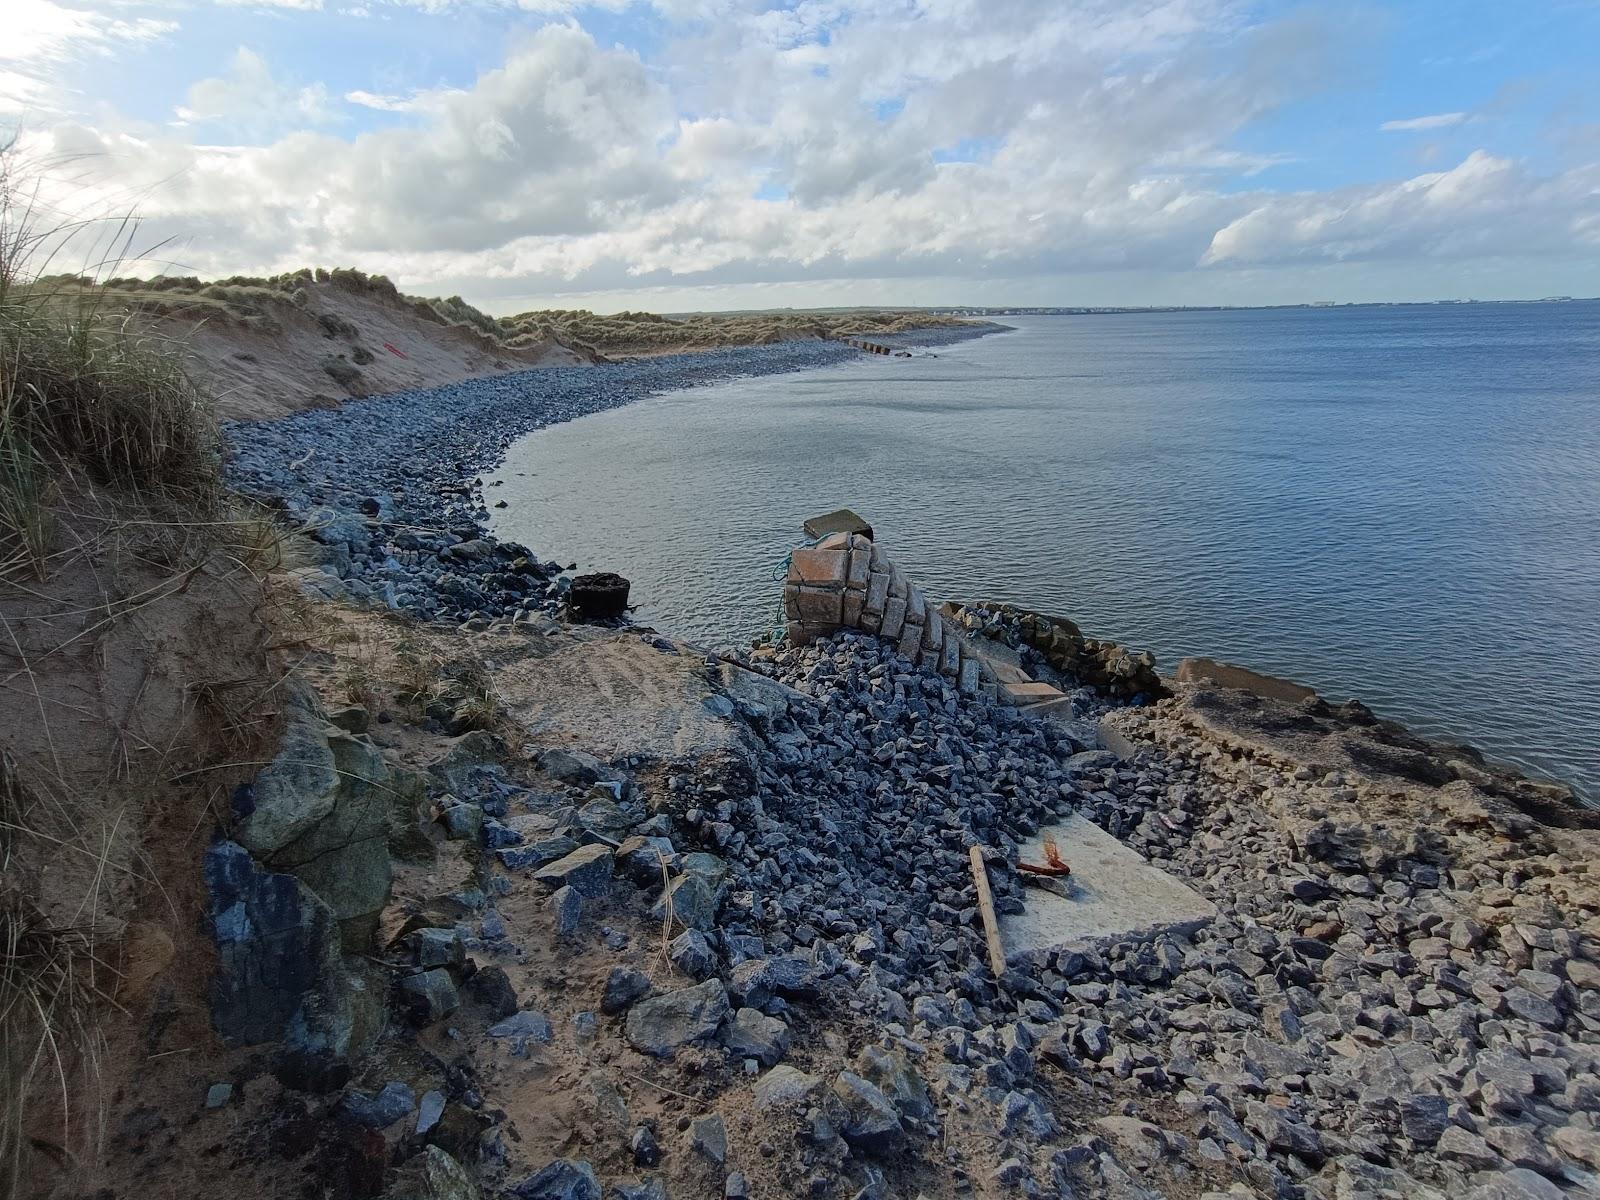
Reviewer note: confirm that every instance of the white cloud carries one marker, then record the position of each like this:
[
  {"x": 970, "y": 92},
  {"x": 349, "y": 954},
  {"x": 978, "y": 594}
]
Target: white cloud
[
  {"x": 1089, "y": 135},
  {"x": 1483, "y": 207},
  {"x": 298, "y": 5},
  {"x": 1420, "y": 124},
  {"x": 420, "y": 101},
  {"x": 249, "y": 100},
  {"x": 38, "y": 38}
]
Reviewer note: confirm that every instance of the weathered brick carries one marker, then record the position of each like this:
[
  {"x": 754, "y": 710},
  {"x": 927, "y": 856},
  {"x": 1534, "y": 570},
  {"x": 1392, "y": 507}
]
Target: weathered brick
[
  {"x": 798, "y": 634},
  {"x": 853, "y": 602},
  {"x": 950, "y": 656},
  {"x": 932, "y": 634},
  {"x": 860, "y": 541},
  {"x": 807, "y": 565},
  {"x": 791, "y": 604},
  {"x": 819, "y": 606},
  {"x": 894, "y": 618},
  {"x": 916, "y": 607},
  {"x": 871, "y": 621},
  {"x": 967, "y": 678},
  {"x": 877, "y": 591},
  {"x": 910, "y": 640},
  {"x": 835, "y": 541},
  {"x": 880, "y": 558},
  {"x": 898, "y": 587},
  {"x": 859, "y": 568}
]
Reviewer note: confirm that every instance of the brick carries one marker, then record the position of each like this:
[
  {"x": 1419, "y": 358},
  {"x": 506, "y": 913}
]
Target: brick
[
  {"x": 894, "y": 618},
  {"x": 819, "y": 606},
  {"x": 798, "y": 634},
  {"x": 932, "y": 634},
  {"x": 860, "y": 541},
  {"x": 853, "y": 602},
  {"x": 791, "y": 604},
  {"x": 916, "y": 606},
  {"x": 807, "y": 565},
  {"x": 910, "y": 640},
  {"x": 835, "y": 541},
  {"x": 950, "y": 656},
  {"x": 877, "y": 591},
  {"x": 880, "y": 558},
  {"x": 898, "y": 587},
  {"x": 871, "y": 621},
  {"x": 858, "y": 570},
  {"x": 967, "y": 678}
]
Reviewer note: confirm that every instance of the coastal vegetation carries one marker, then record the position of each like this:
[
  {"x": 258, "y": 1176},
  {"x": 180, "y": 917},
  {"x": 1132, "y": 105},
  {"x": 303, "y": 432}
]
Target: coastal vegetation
[
  {"x": 128, "y": 622},
  {"x": 262, "y": 303}
]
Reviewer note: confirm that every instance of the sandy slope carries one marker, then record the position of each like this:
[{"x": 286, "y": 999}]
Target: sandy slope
[{"x": 281, "y": 366}]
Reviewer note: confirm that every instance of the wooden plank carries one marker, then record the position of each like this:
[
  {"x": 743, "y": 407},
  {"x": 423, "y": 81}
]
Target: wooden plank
[{"x": 991, "y": 926}]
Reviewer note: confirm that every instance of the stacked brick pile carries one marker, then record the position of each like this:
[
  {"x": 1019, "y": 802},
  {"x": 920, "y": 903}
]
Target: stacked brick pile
[{"x": 846, "y": 581}]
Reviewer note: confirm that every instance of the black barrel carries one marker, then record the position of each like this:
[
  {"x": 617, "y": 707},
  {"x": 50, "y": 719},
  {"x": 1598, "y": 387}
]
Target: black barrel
[{"x": 601, "y": 595}]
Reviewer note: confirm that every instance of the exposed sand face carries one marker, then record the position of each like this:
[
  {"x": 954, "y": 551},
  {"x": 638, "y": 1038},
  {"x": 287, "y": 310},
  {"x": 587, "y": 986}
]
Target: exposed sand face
[{"x": 258, "y": 374}]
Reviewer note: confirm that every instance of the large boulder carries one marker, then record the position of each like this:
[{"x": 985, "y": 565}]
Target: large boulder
[
  {"x": 323, "y": 810},
  {"x": 297, "y": 790},
  {"x": 280, "y": 977}
]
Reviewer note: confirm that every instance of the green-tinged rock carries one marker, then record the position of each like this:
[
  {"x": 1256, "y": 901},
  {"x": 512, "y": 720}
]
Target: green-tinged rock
[
  {"x": 691, "y": 901},
  {"x": 344, "y": 857},
  {"x": 660, "y": 1024},
  {"x": 408, "y": 816},
  {"x": 299, "y": 787},
  {"x": 433, "y": 1175}
]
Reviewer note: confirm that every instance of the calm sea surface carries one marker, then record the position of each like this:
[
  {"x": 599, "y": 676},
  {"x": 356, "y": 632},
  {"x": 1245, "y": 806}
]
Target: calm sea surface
[{"x": 1398, "y": 504}]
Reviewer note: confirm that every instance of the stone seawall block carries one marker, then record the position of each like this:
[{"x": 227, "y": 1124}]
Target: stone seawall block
[
  {"x": 854, "y": 603},
  {"x": 911, "y": 641},
  {"x": 860, "y": 567},
  {"x": 877, "y": 591},
  {"x": 819, "y": 607},
  {"x": 808, "y": 565},
  {"x": 933, "y": 635},
  {"x": 916, "y": 606},
  {"x": 898, "y": 587},
  {"x": 894, "y": 618},
  {"x": 967, "y": 678}
]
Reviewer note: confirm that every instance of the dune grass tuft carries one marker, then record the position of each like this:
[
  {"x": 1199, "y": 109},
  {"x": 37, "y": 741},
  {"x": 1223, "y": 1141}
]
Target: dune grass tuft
[{"x": 83, "y": 390}]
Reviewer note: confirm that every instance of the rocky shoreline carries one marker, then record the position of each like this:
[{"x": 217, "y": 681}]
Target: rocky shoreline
[
  {"x": 726, "y": 939},
  {"x": 388, "y": 483}
]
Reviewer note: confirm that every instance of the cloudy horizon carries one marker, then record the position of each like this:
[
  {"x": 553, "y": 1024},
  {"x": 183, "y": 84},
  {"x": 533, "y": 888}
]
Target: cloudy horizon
[{"x": 709, "y": 154}]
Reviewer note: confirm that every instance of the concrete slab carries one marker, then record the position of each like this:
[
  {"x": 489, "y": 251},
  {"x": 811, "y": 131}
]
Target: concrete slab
[
  {"x": 1116, "y": 892},
  {"x": 1030, "y": 692}
]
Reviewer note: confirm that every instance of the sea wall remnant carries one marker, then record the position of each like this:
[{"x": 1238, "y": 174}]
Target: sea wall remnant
[
  {"x": 1109, "y": 668},
  {"x": 845, "y": 580}
]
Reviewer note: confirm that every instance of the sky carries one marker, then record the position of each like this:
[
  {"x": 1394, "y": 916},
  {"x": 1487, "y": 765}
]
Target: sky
[{"x": 711, "y": 154}]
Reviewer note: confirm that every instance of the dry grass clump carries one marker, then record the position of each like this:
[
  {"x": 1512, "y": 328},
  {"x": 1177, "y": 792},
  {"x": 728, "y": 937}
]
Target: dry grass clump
[
  {"x": 82, "y": 390},
  {"x": 48, "y": 1027}
]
